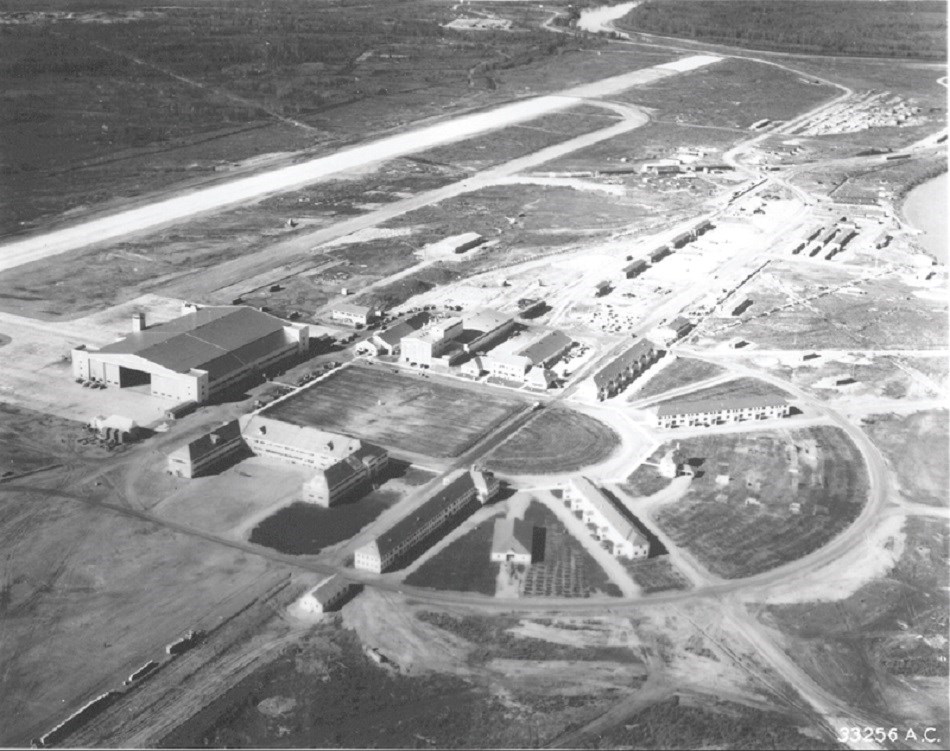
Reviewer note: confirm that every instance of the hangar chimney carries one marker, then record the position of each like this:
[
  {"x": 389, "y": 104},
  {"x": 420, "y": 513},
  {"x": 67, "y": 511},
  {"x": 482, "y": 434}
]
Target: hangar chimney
[{"x": 138, "y": 322}]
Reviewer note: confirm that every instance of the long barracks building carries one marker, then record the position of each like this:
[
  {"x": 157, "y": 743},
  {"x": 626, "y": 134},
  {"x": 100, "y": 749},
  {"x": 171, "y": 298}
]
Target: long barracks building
[
  {"x": 708, "y": 412},
  {"x": 196, "y": 356},
  {"x": 457, "y": 498},
  {"x": 620, "y": 372}
]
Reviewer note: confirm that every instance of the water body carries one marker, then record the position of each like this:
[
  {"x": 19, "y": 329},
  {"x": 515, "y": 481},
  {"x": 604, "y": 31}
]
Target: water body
[
  {"x": 926, "y": 210},
  {"x": 600, "y": 18}
]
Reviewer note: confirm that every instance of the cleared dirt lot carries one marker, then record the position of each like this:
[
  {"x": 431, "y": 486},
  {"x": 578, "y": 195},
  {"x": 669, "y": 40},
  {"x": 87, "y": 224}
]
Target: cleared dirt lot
[
  {"x": 88, "y": 595},
  {"x": 917, "y": 447},
  {"x": 428, "y": 416},
  {"x": 559, "y": 440},
  {"x": 886, "y": 639}
]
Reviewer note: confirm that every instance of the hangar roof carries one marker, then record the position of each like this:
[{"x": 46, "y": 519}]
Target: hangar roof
[{"x": 207, "y": 339}]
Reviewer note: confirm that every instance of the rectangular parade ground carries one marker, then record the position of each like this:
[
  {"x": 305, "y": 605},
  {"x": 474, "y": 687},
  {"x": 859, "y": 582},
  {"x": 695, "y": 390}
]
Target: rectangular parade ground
[{"x": 418, "y": 414}]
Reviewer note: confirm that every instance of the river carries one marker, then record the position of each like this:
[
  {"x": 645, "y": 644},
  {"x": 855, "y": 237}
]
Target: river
[
  {"x": 926, "y": 210},
  {"x": 599, "y": 18}
]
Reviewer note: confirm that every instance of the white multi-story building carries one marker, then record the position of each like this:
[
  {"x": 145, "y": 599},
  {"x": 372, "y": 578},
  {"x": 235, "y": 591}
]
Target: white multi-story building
[
  {"x": 421, "y": 347},
  {"x": 353, "y": 314},
  {"x": 611, "y": 525},
  {"x": 707, "y": 412}
]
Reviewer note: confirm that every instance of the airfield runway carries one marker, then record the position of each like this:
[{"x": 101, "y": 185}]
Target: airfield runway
[{"x": 186, "y": 206}]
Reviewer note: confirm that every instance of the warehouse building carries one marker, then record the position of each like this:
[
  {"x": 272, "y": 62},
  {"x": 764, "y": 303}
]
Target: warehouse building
[
  {"x": 353, "y": 314},
  {"x": 707, "y": 412},
  {"x": 625, "y": 368},
  {"x": 484, "y": 330},
  {"x": 196, "y": 356},
  {"x": 513, "y": 542},
  {"x": 209, "y": 452},
  {"x": 611, "y": 526},
  {"x": 518, "y": 359},
  {"x": 457, "y": 498}
]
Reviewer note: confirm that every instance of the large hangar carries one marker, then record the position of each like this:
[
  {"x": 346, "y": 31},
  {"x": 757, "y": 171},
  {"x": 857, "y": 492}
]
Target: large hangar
[{"x": 196, "y": 356}]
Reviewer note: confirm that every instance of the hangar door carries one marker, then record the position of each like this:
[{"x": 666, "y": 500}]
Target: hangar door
[{"x": 129, "y": 377}]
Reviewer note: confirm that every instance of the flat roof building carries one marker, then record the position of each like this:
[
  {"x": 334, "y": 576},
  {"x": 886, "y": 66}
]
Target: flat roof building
[
  {"x": 195, "y": 356},
  {"x": 353, "y": 314},
  {"x": 423, "y": 346}
]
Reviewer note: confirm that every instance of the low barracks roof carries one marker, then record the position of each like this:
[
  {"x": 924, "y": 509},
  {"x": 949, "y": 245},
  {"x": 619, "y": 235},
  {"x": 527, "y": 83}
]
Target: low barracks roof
[
  {"x": 216, "y": 339},
  {"x": 702, "y": 406}
]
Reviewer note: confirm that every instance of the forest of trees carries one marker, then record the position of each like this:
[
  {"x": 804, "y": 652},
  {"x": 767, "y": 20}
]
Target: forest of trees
[{"x": 899, "y": 28}]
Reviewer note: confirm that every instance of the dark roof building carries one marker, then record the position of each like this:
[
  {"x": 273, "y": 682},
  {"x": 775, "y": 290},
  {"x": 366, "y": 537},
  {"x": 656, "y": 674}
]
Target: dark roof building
[
  {"x": 619, "y": 372},
  {"x": 207, "y": 451},
  {"x": 453, "y": 499}
]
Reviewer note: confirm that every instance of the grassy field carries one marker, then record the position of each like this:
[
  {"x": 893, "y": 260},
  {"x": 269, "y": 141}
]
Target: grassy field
[
  {"x": 885, "y": 641},
  {"x": 740, "y": 387},
  {"x": 681, "y": 372},
  {"x": 68, "y": 561},
  {"x": 917, "y": 446},
  {"x": 818, "y": 468},
  {"x": 567, "y": 570},
  {"x": 837, "y": 27},
  {"x": 463, "y": 566},
  {"x": 558, "y": 440},
  {"x": 646, "y": 479},
  {"x": 406, "y": 412}
]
